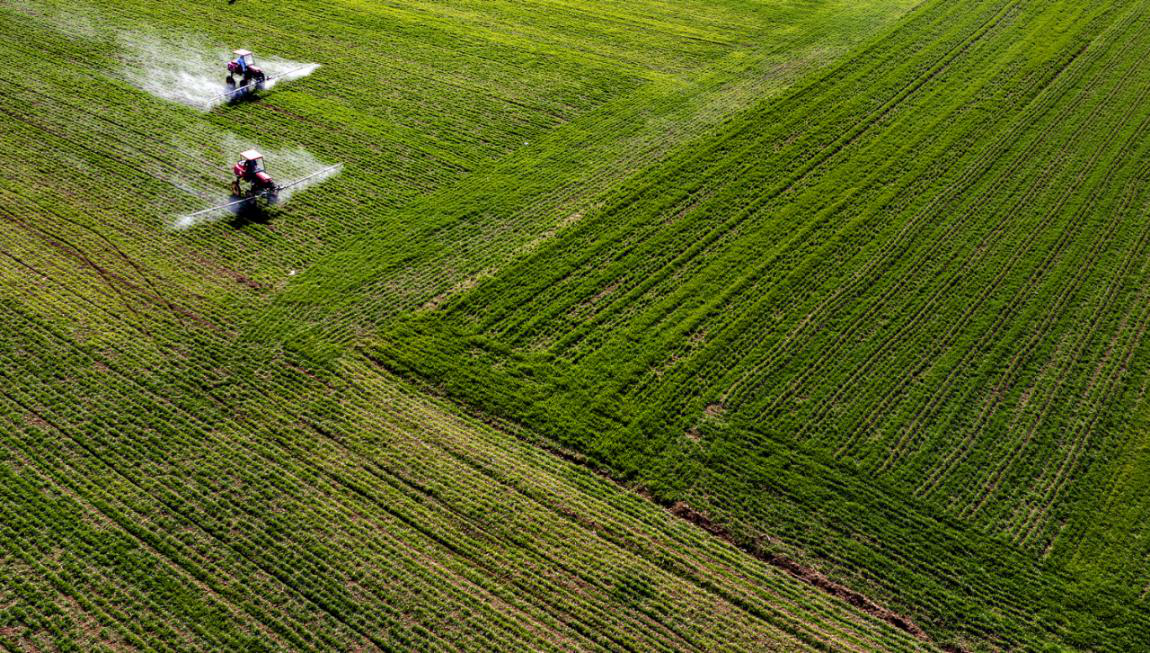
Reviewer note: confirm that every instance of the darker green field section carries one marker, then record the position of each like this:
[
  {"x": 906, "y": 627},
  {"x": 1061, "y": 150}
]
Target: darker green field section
[{"x": 893, "y": 319}]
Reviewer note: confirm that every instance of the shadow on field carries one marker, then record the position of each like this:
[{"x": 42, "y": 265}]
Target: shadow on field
[
  {"x": 250, "y": 213},
  {"x": 243, "y": 97}
]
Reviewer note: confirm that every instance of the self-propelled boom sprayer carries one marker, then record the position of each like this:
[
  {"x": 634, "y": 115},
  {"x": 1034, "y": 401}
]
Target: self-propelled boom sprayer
[{"x": 251, "y": 182}]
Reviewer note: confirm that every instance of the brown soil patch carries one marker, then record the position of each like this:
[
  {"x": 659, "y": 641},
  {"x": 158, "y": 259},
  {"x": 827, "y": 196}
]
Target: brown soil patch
[
  {"x": 36, "y": 421},
  {"x": 462, "y": 286},
  {"x": 714, "y": 410}
]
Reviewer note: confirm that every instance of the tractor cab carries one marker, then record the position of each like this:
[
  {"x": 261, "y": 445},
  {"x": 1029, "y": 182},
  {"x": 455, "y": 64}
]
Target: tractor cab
[
  {"x": 251, "y": 163},
  {"x": 243, "y": 71},
  {"x": 244, "y": 59},
  {"x": 250, "y": 169}
]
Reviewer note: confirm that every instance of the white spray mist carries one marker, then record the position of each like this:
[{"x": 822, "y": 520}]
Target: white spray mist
[
  {"x": 284, "y": 165},
  {"x": 190, "y": 73}
]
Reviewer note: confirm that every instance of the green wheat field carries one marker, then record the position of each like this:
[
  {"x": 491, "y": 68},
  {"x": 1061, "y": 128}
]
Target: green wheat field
[{"x": 609, "y": 325}]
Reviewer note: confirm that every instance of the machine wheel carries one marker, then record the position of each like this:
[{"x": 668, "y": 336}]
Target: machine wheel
[
  {"x": 236, "y": 191},
  {"x": 260, "y": 78}
]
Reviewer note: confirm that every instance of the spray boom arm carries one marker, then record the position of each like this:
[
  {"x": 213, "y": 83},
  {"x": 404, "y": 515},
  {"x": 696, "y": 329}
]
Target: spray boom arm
[
  {"x": 210, "y": 102},
  {"x": 277, "y": 189},
  {"x": 317, "y": 173}
]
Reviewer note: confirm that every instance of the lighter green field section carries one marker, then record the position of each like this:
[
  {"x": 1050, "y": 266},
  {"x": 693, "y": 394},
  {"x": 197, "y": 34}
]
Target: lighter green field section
[{"x": 196, "y": 454}]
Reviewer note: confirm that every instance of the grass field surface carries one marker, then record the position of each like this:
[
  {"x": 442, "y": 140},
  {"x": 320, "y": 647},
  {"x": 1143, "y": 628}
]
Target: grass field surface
[{"x": 653, "y": 325}]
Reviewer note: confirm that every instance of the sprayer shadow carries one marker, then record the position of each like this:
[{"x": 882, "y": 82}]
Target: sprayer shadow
[
  {"x": 241, "y": 97},
  {"x": 250, "y": 213}
]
